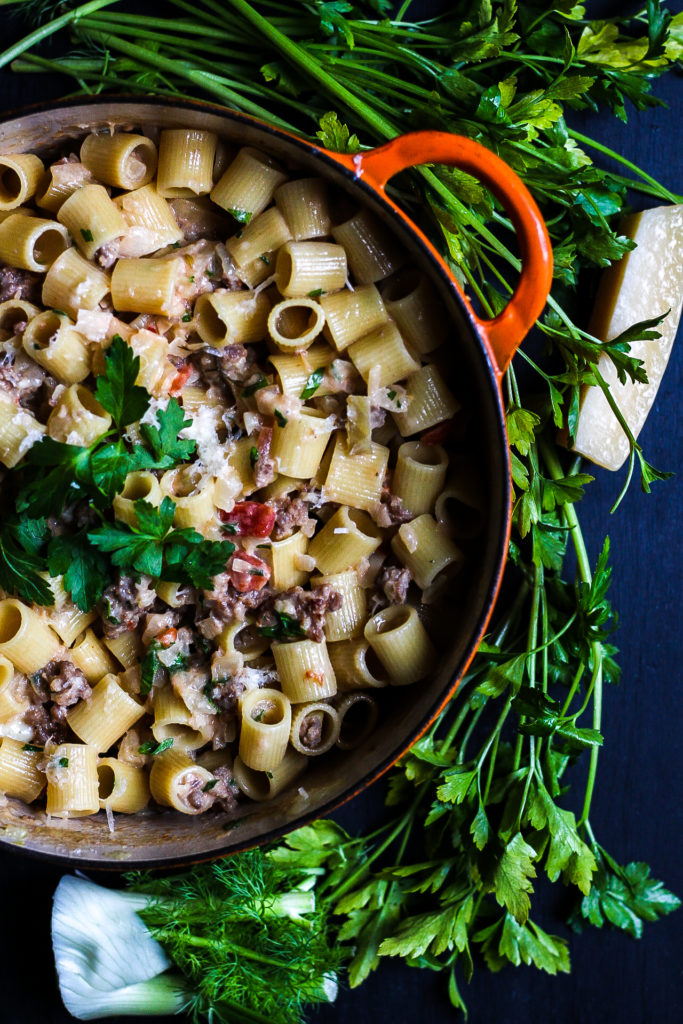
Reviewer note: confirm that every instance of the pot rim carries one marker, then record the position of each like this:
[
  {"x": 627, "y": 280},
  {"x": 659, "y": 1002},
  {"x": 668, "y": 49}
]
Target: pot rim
[{"x": 494, "y": 378}]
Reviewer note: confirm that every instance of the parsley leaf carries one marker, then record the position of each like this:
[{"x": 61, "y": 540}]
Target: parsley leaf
[
  {"x": 251, "y": 389},
  {"x": 20, "y": 563},
  {"x": 85, "y": 570},
  {"x": 154, "y": 748},
  {"x": 116, "y": 389},
  {"x": 286, "y": 626},
  {"x": 313, "y": 383},
  {"x": 167, "y": 448}
]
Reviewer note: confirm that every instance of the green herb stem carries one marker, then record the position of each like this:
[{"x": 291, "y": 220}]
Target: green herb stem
[
  {"x": 613, "y": 155},
  {"x": 44, "y": 31}
]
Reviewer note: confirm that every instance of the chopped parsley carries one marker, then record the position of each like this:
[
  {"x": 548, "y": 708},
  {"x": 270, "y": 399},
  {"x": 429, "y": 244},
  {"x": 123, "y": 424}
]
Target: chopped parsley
[
  {"x": 313, "y": 383},
  {"x": 154, "y": 748},
  {"x": 316, "y": 293},
  {"x": 187, "y": 317},
  {"x": 251, "y": 389},
  {"x": 87, "y": 235},
  {"x": 32, "y": 749},
  {"x": 63, "y": 762},
  {"x": 265, "y": 258},
  {"x": 285, "y": 627},
  {"x": 209, "y": 786},
  {"x": 241, "y": 216},
  {"x": 280, "y": 419},
  {"x": 253, "y": 455}
]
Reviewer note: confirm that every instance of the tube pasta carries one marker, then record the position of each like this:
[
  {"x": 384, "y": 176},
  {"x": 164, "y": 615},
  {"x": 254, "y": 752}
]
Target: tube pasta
[
  {"x": 298, "y": 447},
  {"x": 92, "y": 657},
  {"x": 150, "y": 224},
  {"x": 145, "y": 285},
  {"x": 16, "y": 311},
  {"x": 295, "y": 324},
  {"x": 174, "y": 777},
  {"x": 72, "y": 787},
  {"x": 247, "y": 186},
  {"x": 19, "y": 431},
  {"x": 345, "y": 540},
  {"x": 232, "y": 318},
  {"x": 20, "y": 177},
  {"x": 356, "y": 666},
  {"x": 430, "y": 402},
  {"x": 25, "y": 639},
  {"x": 401, "y": 643},
  {"x": 350, "y": 315},
  {"x": 348, "y": 620},
  {"x": 59, "y": 182},
  {"x": 78, "y": 418},
  {"x": 122, "y": 787},
  {"x": 372, "y": 250},
  {"x": 419, "y": 475},
  {"x": 304, "y": 204},
  {"x": 356, "y": 480},
  {"x": 20, "y": 773},
  {"x": 31, "y": 243},
  {"x": 319, "y": 720},
  {"x": 13, "y": 701},
  {"x": 122, "y": 160},
  {"x": 425, "y": 548},
  {"x": 385, "y": 355},
  {"x": 294, "y": 370},
  {"x": 192, "y": 493},
  {"x": 260, "y": 238},
  {"x": 126, "y": 648},
  {"x": 305, "y": 670},
  {"x": 51, "y": 340},
  {"x": 92, "y": 218},
  {"x": 283, "y": 561},
  {"x": 72, "y": 283},
  {"x": 421, "y": 318},
  {"x": 304, "y": 267},
  {"x": 266, "y": 718},
  {"x": 186, "y": 158},
  {"x": 261, "y": 786},
  {"x": 139, "y": 486},
  {"x": 358, "y": 714},
  {"x": 173, "y": 720},
  {"x": 103, "y": 719}
]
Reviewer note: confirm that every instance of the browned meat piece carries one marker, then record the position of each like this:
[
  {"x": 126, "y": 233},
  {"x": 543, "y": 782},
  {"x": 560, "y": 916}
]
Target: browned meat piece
[
  {"x": 225, "y": 604},
  {"x": 264, "y": 467},
  {"x": 390, "y": 511},
  {"x": 108, "y": 254},
  {"x": 46, "y": 726},
  {"x": 291, "y": 512},
  {"x": 218, "y": 367},
  {"x": 27, "y": 381},
  {"x": 121, "y": 609},
  {"x": 226, "y": 792},
  {"x": 226, "y": 693},
  {"x": 197, "y": 797},
  {"x": 394, "y": 582},
  {"x": 311, "y": 731},
  {"x": 20, "y": 284},
  {"x": 67, "y": 683},
  {"x": 308, "y": 607}
]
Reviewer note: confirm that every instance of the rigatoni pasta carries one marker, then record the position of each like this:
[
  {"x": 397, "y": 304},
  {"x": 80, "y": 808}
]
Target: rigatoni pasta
[{"x": 274, "y": 383}]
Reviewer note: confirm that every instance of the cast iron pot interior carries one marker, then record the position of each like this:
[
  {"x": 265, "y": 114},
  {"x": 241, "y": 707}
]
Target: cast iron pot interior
[{"x": 166, "y": 838}]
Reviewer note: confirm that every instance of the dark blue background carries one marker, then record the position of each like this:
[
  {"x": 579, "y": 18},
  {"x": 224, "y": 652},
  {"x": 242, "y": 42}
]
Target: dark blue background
[{"x": 636, "y": 812}]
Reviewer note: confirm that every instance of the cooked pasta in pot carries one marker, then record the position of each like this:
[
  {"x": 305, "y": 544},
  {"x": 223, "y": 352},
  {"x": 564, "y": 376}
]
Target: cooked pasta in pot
[{"x": 223, "y": 463}]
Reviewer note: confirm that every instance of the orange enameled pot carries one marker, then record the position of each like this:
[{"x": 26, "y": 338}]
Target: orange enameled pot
[{"x": 481, "y": 350}]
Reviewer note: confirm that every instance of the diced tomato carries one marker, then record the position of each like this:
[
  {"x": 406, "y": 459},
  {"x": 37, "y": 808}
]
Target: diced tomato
[
  {"x": 168, "y": 637},
  {"x": 180, "y": 380},
  {"x": 254, "y": 578},
  {"x": 439, "y": 433},
  {"x": 251, "y": 519}
]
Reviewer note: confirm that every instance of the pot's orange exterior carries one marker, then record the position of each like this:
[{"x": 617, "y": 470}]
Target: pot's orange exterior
[{"x": 506, "y": 331}]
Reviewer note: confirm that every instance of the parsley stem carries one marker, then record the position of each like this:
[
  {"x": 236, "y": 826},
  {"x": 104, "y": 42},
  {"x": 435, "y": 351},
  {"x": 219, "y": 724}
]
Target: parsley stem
[
  {"x": 660, "y": 190},
  {"x": 50, "y": 28},
  {"x": 586, "y": 576}
]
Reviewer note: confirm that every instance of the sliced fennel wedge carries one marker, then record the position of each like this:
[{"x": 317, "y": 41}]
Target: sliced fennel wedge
[{"x": 107, "y": 961}]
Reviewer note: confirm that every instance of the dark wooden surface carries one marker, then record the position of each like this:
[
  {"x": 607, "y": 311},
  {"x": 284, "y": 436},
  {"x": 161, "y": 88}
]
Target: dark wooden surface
[{"x": 637, "y": 813}]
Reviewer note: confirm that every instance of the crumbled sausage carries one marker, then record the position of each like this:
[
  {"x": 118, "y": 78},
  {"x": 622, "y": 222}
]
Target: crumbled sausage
[
  {"x": 46, "y": 725},
  {"x": 20, "y": 284},
  {"x": 226, "y": 792},
  {"x": 124, "y": 604},
  {"x": 218, "y": 367},
  {"x": 67, "y": 683},
  {"x": 394, "y": 581},
  {"x": 311, "y": 730},
  {"x": 308, "y": 607},
  {"x": 226, "y": 693},
  {"x": 224, "y": 604}
]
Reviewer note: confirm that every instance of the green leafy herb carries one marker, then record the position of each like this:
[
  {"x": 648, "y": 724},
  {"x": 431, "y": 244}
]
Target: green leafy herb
[
  {"x": 253, "y": 456},
  {"x": 150, "y": 666},
  {"x": 314, "y": 381},
  {"x": 63, "y": 762},
  {"x": 316, "y": 293},
  {"x": 86, "y": 572},
  {"x": 265, "y": 258},
  {"x": 251, "y": 389},
  {"x": 209, "y": 786},
  {"x": 285, "y": 626},
  {"x": 116, "y": 389},
  {"x": 32, "y": 748},
  {"x": 154, "y": 748},
  {"x": 167, "y": 448},
  {"x": 86, "y": 234},
  {"x": 241, "y": 216},
  {"x": 20, "y": 563},
  {"x": 186, "y": 317},
  {"x": 280, "y": 419}
]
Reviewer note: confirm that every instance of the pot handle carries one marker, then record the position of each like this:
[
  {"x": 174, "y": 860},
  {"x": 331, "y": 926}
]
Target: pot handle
[{"x": 506, "y": 331}]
